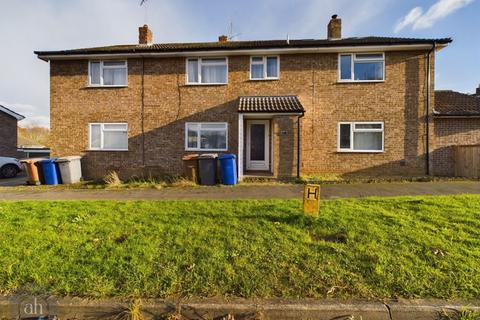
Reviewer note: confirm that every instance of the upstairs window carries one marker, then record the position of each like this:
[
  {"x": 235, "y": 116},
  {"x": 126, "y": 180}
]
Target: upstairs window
[
  {"x": 361, "y": 67},
  {"x": 207, "y": 71},
  {"x": 211, "y": 136},
  {"x": 262, "y": 68},
  {"x": 360, "y": 137},
  {"x": 108, "y": 73},
  {"x": 108, "y": 136}
]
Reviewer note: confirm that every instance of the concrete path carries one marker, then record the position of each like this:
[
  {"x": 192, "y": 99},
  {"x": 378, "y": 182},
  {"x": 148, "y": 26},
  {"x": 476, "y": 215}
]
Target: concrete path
[{"x": 249, "y": 192}]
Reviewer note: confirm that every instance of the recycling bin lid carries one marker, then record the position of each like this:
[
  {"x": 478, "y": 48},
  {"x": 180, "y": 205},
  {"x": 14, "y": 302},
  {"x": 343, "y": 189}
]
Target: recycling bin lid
[
  {"x": 31, "y": 160},
  {"x": 67, "y": 159},
  {"x": 190, "y": 157},
  {"x": 227, "y": 156},
  {"x": 52, "y": 160},
  {"x": 208, "y": 156}
]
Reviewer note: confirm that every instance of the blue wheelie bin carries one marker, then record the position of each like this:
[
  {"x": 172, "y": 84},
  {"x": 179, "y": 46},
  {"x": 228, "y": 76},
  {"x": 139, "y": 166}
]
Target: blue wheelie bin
[
  {"x": 50, "y": 171},
  {"x": 228, "y": 166}
]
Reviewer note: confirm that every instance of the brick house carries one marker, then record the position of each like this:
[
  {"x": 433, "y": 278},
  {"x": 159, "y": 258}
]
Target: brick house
[
  {"x": 457, "y": 122},
  {"x": 8, "y": 132},
  {"x": 284, "y": 107}
]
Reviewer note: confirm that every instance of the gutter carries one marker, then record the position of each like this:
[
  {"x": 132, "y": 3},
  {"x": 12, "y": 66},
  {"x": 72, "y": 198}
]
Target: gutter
[
  {"x": 456, "y": 116},
  {"x": 427, "y": 109},
  {"x": 46, "y": 56}
]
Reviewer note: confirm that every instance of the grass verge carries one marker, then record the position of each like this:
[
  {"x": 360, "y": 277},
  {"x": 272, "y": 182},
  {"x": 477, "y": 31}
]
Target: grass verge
[{"x": 411, "y": 247}]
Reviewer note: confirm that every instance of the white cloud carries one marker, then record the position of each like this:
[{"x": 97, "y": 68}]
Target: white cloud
[
  {"x": 409, "y": 19},
  {"x": 34, "y": 116},
  {"x": 417, "y": 19}
]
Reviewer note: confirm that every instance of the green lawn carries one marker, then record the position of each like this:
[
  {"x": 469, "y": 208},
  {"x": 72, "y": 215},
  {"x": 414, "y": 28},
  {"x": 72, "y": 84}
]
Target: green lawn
[{"x": 366, "y": 248}]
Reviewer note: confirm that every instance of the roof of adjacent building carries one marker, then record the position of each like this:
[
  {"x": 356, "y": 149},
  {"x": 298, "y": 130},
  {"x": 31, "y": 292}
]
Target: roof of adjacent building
[
  {"x": 270, "y": 104},
  {"x": 452, "y": 103},
  {"x": 11, "y": 113},
  {"x": 246, "y": 45}
]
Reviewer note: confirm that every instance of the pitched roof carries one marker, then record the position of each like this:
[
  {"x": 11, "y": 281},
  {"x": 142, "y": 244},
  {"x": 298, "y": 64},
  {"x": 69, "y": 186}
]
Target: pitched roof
[
  {"x": 245, "y": 45},
  {"x": 11, "y": 113},
  {"x": 452, "y": 103},
  {"x": 270, "y": 104}
]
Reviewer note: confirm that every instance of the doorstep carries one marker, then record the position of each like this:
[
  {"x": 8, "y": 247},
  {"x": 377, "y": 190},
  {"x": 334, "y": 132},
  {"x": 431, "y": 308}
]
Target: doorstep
[{"x": 256, "y": 176}]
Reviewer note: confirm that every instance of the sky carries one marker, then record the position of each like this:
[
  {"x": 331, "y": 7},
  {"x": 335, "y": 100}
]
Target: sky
[{"x": 30, "y": 25}]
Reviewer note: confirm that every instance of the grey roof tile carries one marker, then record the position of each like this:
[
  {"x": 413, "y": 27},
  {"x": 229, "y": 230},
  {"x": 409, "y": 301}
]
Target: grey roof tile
[{"x": 239, "y": 45}]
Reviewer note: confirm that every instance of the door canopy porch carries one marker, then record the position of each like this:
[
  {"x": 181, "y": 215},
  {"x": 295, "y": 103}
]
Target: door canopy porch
[
  {"x": 270, "y": 104},
  {"x": 280, "y": 109}
]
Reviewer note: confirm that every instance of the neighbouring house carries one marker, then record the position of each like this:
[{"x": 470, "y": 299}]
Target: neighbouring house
[
  {"x": 32, "y": 141},
  {"x": 359, "y": 105},
  {"x": 456, "y": 122},
  {"x": 8, "y": 132}
]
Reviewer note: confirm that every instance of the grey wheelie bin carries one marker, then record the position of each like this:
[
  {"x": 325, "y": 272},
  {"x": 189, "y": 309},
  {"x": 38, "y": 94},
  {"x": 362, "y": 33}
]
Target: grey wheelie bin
[
  {"x": 207, "y": 167},
  {"x": 70, "y": 169}
]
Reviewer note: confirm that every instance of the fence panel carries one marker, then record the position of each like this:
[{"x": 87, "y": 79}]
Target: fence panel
[{"x": 467, "y": 161}]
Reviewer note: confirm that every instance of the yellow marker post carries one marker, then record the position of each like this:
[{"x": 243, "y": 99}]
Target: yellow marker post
[{"x": 311, "y": 199}]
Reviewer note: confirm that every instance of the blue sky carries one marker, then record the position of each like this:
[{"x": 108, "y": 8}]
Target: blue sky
[{"x": 29, "y": 25}]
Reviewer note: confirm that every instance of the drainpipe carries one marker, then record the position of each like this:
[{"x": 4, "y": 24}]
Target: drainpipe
[
  {"x": 299, "y": 133},
  {"x": 143, "y": 111},
  {"x": 427, "y": 109}
]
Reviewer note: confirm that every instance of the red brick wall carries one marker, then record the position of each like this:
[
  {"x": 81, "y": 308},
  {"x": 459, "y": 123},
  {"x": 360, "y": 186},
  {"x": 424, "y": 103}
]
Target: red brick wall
[
  {"x": 8, "y": 136},
  {"x": 448, "y": 133},
  {"x": 169, "y": 103}
]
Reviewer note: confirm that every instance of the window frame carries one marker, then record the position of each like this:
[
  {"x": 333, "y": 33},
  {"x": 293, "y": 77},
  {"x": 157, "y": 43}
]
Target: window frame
[
  {"x": 102, "y": 129},
  {"x": 102, "y": 67},
  {"x": 352, "y": 66},
  {"x": 198, "y": 147},
  {"x": 353, "y": 130},
  {"x": 199, "y": 70},
  {"x": 264, "y": 63}
]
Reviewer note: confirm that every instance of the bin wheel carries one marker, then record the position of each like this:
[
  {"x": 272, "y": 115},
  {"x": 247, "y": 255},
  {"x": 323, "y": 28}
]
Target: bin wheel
[{"x": 8, "y": 171}]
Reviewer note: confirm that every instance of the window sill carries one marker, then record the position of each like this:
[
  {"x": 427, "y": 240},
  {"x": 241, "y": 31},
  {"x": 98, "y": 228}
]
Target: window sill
[
  {"x": 207, "y": 150},
  {"x": 113, "y": 86},
  {"x": 206, "y": 84},
  {"x": 265, "y": 79},
  {"x": 360, "y": 81},
  {"x": 107, "y": 150},
  {"x": 360, "y": 151}
]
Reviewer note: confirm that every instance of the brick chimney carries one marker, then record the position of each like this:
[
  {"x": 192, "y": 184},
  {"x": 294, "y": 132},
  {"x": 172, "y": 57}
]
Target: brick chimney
[
  {"x": 334, "y": 28},
  {"x": 145, "y": 35},
  {"x": 223, "y": 38}
]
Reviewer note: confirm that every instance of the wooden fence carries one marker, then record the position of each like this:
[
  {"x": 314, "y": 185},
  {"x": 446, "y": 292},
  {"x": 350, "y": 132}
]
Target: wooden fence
[{"x": 467, "y": 161}]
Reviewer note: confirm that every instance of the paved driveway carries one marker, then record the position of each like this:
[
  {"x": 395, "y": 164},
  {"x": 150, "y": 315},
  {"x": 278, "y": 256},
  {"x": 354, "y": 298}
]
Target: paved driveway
[
  {"x": 249, "y": 192},
  {"x": 19, "y": 180}
]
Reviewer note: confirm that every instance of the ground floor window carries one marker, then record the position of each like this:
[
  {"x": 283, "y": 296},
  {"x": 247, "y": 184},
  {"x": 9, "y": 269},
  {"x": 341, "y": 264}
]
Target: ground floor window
[
  {"x": 108, "y": 136},
  {"x": 360, "y": 137},
  {"x": 206, "y": 136}
]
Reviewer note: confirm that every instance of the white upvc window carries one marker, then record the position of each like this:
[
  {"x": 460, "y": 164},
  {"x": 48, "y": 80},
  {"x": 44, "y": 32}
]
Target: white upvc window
[
  {"x": 264, "y": 67},
  {"x": 207, "y": 70},
  {"x": 108, "y": 136},
  {"x": 361, "y": 67},
  {"x": 108, "y": 73},
  {"x": 206, "y": 136},
  {"x": 360, "y": 137}
]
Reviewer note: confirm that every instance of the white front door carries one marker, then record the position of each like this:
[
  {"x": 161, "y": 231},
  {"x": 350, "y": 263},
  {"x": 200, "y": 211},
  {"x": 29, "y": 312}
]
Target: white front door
[{"x": 258, "y": 145}]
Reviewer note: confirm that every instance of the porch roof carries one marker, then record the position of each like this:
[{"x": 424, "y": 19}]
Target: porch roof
[{"x": 270, "y": 104}]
